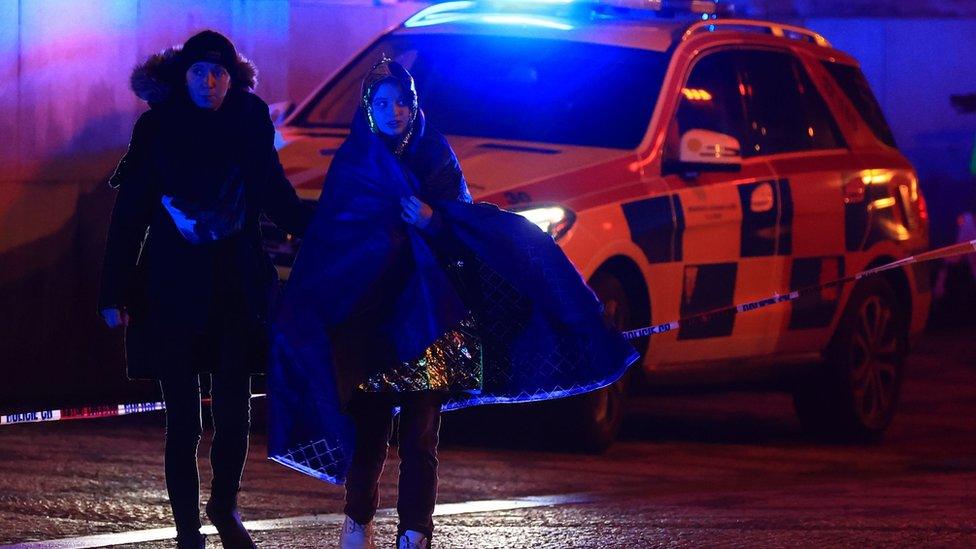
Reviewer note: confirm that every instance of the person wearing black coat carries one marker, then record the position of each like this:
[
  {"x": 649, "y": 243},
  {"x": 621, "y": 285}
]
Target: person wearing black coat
[{"x": 184, "y": 271}]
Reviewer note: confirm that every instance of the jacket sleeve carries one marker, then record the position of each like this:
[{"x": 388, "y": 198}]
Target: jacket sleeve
[
  {"x": 131, "y": 216},
  {"x": 277, "y": 197}
]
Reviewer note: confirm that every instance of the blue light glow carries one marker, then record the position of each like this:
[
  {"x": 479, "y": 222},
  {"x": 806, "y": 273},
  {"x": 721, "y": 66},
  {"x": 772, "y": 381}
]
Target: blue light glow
[
  {"x": 436, "y": 20},
  {"x": 429, "y": 16},
  {"x": 461, "y": 11},
  {"x": 535, "y": 1},
  {"x": 425, "y": 19},
  {"x": 523, "y": 20}
]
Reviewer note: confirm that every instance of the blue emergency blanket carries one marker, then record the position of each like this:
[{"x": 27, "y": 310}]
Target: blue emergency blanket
[{"x": 542, "y": 330}]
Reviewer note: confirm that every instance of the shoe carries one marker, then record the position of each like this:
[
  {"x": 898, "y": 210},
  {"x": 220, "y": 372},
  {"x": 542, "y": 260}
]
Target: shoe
[
  {"x": 355, "y": 535},
  {"x": 228, "y": 523},
  {"x": 411, "y": 539},
  {"x": 191, "y": 541}
]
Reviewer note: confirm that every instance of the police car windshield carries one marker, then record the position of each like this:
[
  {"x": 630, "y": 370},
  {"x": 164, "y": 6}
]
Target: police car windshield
[{"x": 525, "y": 89}]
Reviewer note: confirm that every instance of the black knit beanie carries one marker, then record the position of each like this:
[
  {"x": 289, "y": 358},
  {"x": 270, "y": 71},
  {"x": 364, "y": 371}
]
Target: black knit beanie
[{"x": 208, "y": 46}]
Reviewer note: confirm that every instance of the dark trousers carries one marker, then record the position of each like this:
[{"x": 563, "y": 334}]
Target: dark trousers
[
  {"x": 231, "y": 411},
  {"x": 419, "y": 423}
]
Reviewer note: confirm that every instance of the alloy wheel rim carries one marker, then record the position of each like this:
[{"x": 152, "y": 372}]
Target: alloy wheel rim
[{"x": 874, "y": 361}]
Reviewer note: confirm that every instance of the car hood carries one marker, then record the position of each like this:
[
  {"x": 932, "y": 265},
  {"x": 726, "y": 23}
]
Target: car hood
[{"x": 490, "y": 166}]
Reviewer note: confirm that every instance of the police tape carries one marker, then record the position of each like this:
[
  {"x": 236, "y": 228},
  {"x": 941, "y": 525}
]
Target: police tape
[
  {"x": 708, "y": 316},
  {"x": 83, "y": 412},
  {"x": 89, "y": 412}
]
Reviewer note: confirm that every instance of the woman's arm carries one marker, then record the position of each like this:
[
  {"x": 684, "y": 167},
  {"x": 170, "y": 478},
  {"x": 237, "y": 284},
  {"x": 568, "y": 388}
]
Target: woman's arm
[
  {"x": 130, "y": 217},
  {"x": 277, "y": 197},
  {"x": 445, "y": 183}
]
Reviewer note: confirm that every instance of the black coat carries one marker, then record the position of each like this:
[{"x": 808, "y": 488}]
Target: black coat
[{"x": 167, "y": 284}]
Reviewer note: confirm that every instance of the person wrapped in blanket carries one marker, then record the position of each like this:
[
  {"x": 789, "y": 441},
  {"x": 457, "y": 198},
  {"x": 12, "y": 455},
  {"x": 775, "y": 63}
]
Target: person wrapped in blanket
[{"x": 408, "y": 298}]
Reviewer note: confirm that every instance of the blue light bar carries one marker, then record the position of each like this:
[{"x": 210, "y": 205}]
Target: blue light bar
[
  {"x": 463, "y": 11},
  {"x": 429, "y": 15},
  {"x": 523, "y": 21},
  {"x": 523, "y": 2},
  {"x": 436, "y": 20},
  {"x": 555, "y": 14}
]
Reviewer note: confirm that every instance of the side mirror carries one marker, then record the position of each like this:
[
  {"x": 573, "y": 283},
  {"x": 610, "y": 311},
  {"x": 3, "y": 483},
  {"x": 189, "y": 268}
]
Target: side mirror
[
  {"x": 280, "y": 111},
  {"x": 706, "y": 151}
]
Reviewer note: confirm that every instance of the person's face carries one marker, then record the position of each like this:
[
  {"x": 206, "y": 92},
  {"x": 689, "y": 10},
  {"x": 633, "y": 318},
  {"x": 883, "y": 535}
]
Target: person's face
[
  {"x": 207, "y": 84},
  {"x": 391, "y": 109}
]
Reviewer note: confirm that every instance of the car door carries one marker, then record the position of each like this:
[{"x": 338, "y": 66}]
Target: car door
[
  {"x": 790, "y": 125},
  {"x": 728, "y": 223}
]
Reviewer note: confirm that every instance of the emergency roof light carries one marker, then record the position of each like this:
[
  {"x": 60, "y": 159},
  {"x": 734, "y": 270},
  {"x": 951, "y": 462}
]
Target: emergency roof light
[{"x": 561, "y": 13}]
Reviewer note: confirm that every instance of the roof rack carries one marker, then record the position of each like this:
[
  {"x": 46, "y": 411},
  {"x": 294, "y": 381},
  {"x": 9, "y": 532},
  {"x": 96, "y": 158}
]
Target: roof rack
[
  {"x": 766, "y": 27},
  {"x": 697, "y": 7}
]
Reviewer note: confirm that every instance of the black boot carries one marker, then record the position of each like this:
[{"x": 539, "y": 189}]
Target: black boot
[
  {"x": 227, "y": 521},
  {"x": 193, "y": 540}
]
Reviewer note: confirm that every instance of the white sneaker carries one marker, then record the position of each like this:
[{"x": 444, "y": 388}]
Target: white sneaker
[
  {"x": 355, "y": 535},
  {"x": 412, "y": 539}
]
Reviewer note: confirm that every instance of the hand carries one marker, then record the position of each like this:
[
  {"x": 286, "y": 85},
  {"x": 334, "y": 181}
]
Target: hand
[
  {"x": 115, "y": 317},
  {"x": 416, "y": 212}
]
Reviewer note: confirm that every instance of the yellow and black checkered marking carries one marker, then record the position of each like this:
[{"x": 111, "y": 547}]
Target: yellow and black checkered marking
[
  {"x": 815, "y": 310},
  {"x": 708, "y": 287},
  {"x": 657, "y": 226}
]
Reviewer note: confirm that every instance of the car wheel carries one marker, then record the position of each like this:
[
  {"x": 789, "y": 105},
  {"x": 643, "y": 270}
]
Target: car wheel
[
  {"x": 856, "y": 391},
  {"x": 599, "y": 414}
]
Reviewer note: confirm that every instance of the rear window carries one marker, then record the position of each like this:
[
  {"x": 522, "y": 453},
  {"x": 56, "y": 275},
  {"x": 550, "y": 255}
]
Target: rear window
[
  {"x": 786, "y": 112},
  {"x": 855, "y": 86},
  {"x": 524, "y": 89}
]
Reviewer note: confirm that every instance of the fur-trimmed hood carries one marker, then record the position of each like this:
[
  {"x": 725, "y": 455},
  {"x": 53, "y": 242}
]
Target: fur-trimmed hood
[{"x": 154, "y": 79}]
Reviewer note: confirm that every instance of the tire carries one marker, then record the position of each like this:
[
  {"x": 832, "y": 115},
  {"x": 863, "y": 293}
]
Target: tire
[
  {"x": 595, "y": 417},
  {"x": 855, "y": 393}
]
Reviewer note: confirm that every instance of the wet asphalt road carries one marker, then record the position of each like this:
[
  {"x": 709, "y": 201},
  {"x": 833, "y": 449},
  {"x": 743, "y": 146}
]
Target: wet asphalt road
[{"x": 715, "y": 470}]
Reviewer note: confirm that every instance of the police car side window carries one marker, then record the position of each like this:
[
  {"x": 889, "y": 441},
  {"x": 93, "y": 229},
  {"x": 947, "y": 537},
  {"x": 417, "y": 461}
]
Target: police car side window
[
  {"x": 709, "y": 101},
  {"x": 826, "y": 134},
  {"x": 785, "y": 111},
  {"x": 856, "y": 87}
]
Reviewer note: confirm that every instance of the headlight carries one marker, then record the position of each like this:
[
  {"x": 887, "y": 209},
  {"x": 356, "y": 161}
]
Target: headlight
[{"x": 554, "y": 220}]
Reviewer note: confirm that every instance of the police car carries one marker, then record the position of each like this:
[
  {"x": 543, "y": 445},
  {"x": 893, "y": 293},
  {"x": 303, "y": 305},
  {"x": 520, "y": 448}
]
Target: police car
[{"x": 684, "y": 161}]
